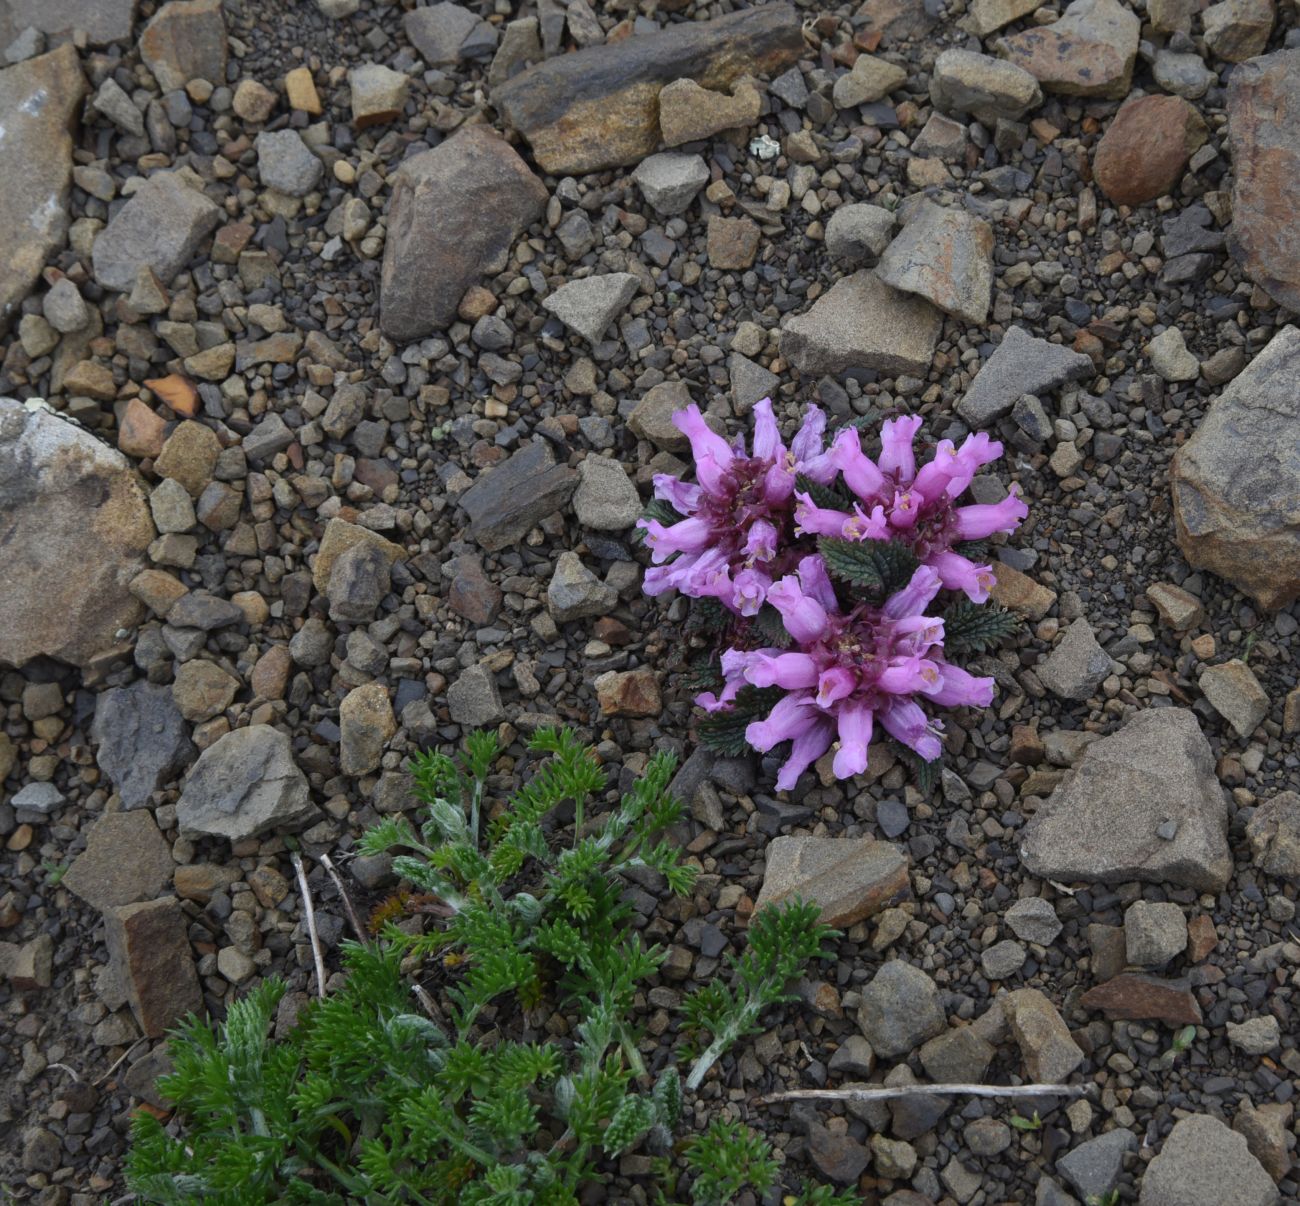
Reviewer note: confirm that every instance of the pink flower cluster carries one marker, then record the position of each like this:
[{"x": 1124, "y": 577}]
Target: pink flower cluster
[{"x": 747, "y": 537}]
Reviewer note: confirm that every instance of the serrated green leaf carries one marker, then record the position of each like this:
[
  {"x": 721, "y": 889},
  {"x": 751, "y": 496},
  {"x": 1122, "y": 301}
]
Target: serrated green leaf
[
  {"x": 976, "y": 627},
  {"x": 724, "y": 732},
  {"x": 772, "y": 626},
  {"x": 878, "y": 567},
  {"x": 823, "y": 496}
]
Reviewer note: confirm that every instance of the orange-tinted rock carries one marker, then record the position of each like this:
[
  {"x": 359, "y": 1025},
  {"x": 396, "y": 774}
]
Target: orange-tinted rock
[
  {"x": 1144, "y": 151},
  {"x": 177, "y": 392},
  {"x": 140, "y": 432},
  {"x": 151, "y": 958},
  {"x": 629, "y": 693},
  {"x": 1088, "y": 52},
  {"x": 1201, "y": 938},
  {"x": 1144, "y": 998}
]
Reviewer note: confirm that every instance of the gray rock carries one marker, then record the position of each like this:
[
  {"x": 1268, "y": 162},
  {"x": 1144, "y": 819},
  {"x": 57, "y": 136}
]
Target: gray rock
[
  {"x": 143, "y": 740},
  {"x": 606, "y": 499},
  {"x": 312, "y": 644},
  {"x": 860, "y": 322},
  {"x": 1236, "y": 482},
  {"x": 1003, "y": 959},
  {"x": 1077, "y": 665},
  {"x": 900, "y": 1009},
  {"x": 1255, "y": 1036},
  {"x": 185, "y": 40},
  {"x": 848, "y": 879},
  {"x": 359, "y": 581},
  {"x": 652, "y": 417},
  {"x": 853, "y": 1059},
  {"x": 575, "y": 592},
  {"x": 68, "y": 564},
  {"x": 869, "y": 79},
  {"x": 1235, "y": 693},
  {"x": 669, "y": 181},
  {"x": 103, "y": 21},
  {"x": 1100, "y": 825},
  {"x": 473, "y": 699},
  {"x": 506, "y": 502},
  {"x": 1274, "y": 836},
  {"x": 1034, "y": 920},
  {"x": 40, "y": 99},
  {"x": 944, "y": 255},
  {"x": 64, "y": 308},
  {"x": 957, "y": 1056},
  {"x": 243, "y": 785},
  {"x": 1095, "y": 1165},
  {"x": 285, "y": 164},
  {"x": 366, "y": 723},
  {"x": 1050, "y": 1054},
  {"x": 750, "y": 383},
  {"x": 1021, "y": 364},
  {"x": 126, "y": 859},
  {"x": 444, "y": 34},
  {"x": 119, "y": 108},
  {"x": 160, "y": 228},
  {"x": 1170, "y": 358},
  {"x": 1154, "y": 932},
  {"x": 857, "y": 235},
  {"x": 589, "y": 305},
  {"x": 454, "y": 210},
  {"x": 39, "y": 798},
  {"x": 27, "y": 45},
  {"x": 198, "y": 609},
  {"x": 521, "y": 44},
  {"x": 987, "y": 88},
  {"x": 1203, "y": 1163},
  {"x": 336, "y": 10},
  {"x": 1184, "y": 75}
]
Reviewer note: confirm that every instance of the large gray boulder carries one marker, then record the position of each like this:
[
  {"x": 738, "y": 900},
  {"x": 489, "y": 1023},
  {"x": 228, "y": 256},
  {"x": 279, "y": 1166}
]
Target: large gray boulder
[
  {"x": 74, "y": 527},
  {"x": 1143, "y": 804},
  {"x": 454, "y": 210},
  {"x": 1203, "y": 1163},
  {"x": 1236, "y": 482}
]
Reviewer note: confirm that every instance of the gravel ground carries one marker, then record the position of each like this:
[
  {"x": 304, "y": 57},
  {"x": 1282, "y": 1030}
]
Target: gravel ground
[{"x": 440, "y": 411}]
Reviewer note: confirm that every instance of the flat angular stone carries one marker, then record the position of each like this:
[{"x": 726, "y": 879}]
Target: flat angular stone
[
  {"x": 40, "y": 100},
  {"x": 1050, "y": 1054},
  {"x": 964, "y": 81},
  {"x": 1203, "y": 1163},
  {"x": 285, "y": 163},
  {"x": 1146, "y": 147},
  {"x": 1236, "y": 482},
  {"x": 1103, "y": 823},
  {"x": 159, "y": 228},
  {"x": 849, "y": 879},
  {"x": 142, "y": 738},
  {"x": 151, "y": 961},
  {"x": 857, "y": 235},
  {"x": 670, "y": 181},
  {"x": 946, "y": 256},
  {"x": 186, "y": 40},
  {"x": 340, "y": 536},
  {"x": 1274, "y": 836},
  {"x": 576, "y": 593},
  {"x": 126, "y": 859},
  {"x": 443, "y": 33},
  {"x": 243, "y": 785},
  {"x": 1155, "y": 931},
  {"x": 598, "y": 108},
  {"x": 366, "y": 722},
  {"x": 506, "y": 502},
  {"x": 74, "y": 527},
  {"x": 1077, "y": 665},
  {"x": 102, "y": 21},
  {"x": 589, "y": 305},
  {"x": 1236, "y": 695},
  {"x": 1021, "y": 364},
  {"x": 988, "y": 16},
  {"x": 606, "y": 499},
  {"x": 1134, "y": 997},
  {"x": 1238, "y": 30},
  {"x": 689, "y": 113},
  {"x": 1095, "y": 1165},
  {"x": 378, "y": 95},
  {"x": 870, "y": 79},
  {"x": 862, "y": 323},
  {"x": 453, "y": 210},
  {"x": 628, "y": 693},
  {"x": 473, "y": 699},
  {"x": 1088, "y": 52},
  {"x": 900, "y": 1009}
]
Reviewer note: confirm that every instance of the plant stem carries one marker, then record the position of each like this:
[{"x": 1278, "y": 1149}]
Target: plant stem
[{"x": 309, "y": 914}]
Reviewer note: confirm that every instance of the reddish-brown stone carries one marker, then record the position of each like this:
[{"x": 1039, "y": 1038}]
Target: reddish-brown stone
[
  {"x": 151, "y": 958},
  {"x": 140, "y": 432},
  {"x": 1144, "y": 151},
  {"x": 1201, "y": 938},
  {"x": 629, "y": 693},
  {"x": 1144, "y": 998}
]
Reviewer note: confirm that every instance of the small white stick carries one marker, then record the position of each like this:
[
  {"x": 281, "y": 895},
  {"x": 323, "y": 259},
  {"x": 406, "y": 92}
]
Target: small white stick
[
  {"x": 889, "y": 1094},
  {"x": 309, "y": 912},
  {"x": 426, "y": 1001},
  {"x": 355, "y": 921},
  {"x": 116, "y": 1063}
]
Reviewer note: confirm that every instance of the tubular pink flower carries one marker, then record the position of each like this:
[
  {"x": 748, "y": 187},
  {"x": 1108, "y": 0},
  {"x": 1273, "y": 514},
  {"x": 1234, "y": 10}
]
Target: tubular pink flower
[
  {"x": 805, "y": 618},
  {"x": 816, "y": 582},
  {"x": 787, "y": 718},
  {"x": 960, "y": 689},
  {"x": 682, "y": 497},
  {"x": 808, "y": 745},
  {"x": 910, "y": 676},
  {"x": 976, "y": 522},
  {"x": 904, "y": 719},
  {"x": 788, "y": 670},
  {"x": 906, "y": 509},
  {"x": 977, "y": 450},
  {"x": 705, "y": 442},
  {"x": 808, "y": 448},
  {"x": 960, "y": 573},
  {"x": 761, "y": 544},
  {"x": 855, "y": 721},
  {"x": 861, "y": 473},
  {"x": 916, "y": 596},
  {"x": 861, "y": 526},
  {"x": 897, "y": 459},
  {"x": 749, "y": 590},
  {"x": 767, "y": 435},
  {"x": 834, "y": 684},
  {"x": 689, "y": 536}
]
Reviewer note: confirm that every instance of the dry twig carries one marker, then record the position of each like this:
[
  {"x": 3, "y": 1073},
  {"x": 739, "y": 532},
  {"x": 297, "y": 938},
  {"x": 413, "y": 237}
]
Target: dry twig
[
  {"x": 353, "y": 919},
  {"x": 309, "y": 913},
  {"x": 891, "y": 1094}
]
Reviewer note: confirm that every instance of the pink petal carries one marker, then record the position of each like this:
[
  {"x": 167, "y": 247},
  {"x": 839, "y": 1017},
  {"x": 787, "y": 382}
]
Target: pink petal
[
  {"x": 855, "y": 721},
  {"x": 861, "y": 473},
  {"x": 896, "y": 455},
  {"x": 809, "y": 745}
]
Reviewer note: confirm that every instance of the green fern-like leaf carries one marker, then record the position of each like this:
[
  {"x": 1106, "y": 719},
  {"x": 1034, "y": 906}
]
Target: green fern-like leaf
[
  {"x": 772, "y": 626},
  {"x": 926, "y": 774},
  {"x": 724, "y": 732},
  {"x": 823, "y": 496},
  {"x": 976, "y": 627}
]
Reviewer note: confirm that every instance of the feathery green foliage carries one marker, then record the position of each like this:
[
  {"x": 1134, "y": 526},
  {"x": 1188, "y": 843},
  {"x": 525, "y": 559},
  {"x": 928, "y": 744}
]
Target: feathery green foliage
[
  {"x": 975, "y": 628},
  {"x": 368, "y": 1100}
]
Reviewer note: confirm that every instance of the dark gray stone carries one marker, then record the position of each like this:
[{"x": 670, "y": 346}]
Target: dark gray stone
[
  {"x": 505, "y": 502},
  {"x": 143, "y": 740},
  {"x": 1020, "y": 365}
]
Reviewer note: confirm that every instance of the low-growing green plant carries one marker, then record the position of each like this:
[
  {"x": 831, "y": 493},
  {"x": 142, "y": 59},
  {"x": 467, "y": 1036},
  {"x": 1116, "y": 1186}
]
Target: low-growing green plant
[
  {"x": 1021, "y": 1123},
  {"x": 1182, "y": 1040},
  {"x": 368, "y": 1099}
]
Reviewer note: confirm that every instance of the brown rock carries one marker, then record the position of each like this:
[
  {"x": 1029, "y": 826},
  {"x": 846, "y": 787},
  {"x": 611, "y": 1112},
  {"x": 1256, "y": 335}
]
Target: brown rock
[
  {"x": 453, "y": 210},
  {"x": 270, "y": 676},
  {"x": 140, "y": 432},
  {"x": 29, "y": 966},
  {"x": 91, "y": 380},
  {"x": 599, "y": 107},
  {"x": 74, "y": 527},
  {"x": 341, "y": 536},
  {"x": 1019, "y": 593},
  {"x": 849, "y": 879},
  {"x": 629, "y": 693},
  {"x": 186, "y": 40},
  {"x": 40, "y": 100},
  {"x": 1238, "y": 30},
  {"x": 1134, "y": 997},
  {"x": 253, "y": 102},
  {"x": 472, "y": 594},
  {"x": 198, "y": 881},
  {"x": 732, "y": 242},
  {"x": 892, "y": 21},
  {"x": 151, "y": 959},
  {"x": 126, "y": 859},
  {"x": 689, "y": 113},
  {"x": 1088, "y": 52},
  {"x": 178, "y": 393},
  {"x": 1202, "y": 938},
  {"x": 157, "y": 590},
  {"x": 202, "y": 689},
  {"x": 1049, "y": 1051},
  {"x": 1265, "y": 1129},
  {"x": 301, "y": 89},
  {"x": 367, "y": 722},
  {"x": 1146, "y": 147},
  {"x": 189, "y": 456},
  {"x": 1264, "y": 136},
  {"x": 1236, "y": 482}
]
